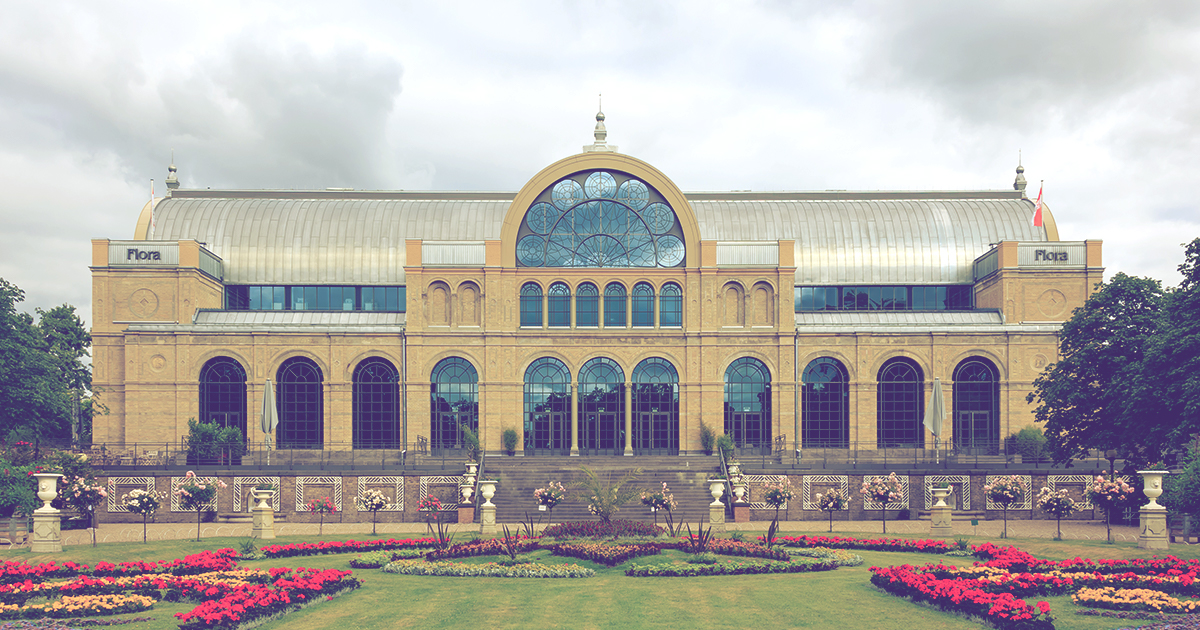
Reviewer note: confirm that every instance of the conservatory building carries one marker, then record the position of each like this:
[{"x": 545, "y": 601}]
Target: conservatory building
[{"x": 597, "y": 310}]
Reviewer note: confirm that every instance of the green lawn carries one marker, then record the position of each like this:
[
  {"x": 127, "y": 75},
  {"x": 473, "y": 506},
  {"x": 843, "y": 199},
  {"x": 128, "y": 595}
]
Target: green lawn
[{"x": 843, "y": 598}]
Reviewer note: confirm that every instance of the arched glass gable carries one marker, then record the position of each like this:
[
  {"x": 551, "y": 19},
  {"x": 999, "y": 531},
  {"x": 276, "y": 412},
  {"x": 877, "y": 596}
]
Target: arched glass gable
[
  {"x": 600, "y": 219},
  {"x": 454, "y": 402},
  {"x": 223, "y": 393},
  {"x": 376, "y": 418},
  {"x": 601, "y": 407},
  {"x": 900, "y": 405},
  {"x": 655, "y": 407},
  {"x": 301, "y": 405},
  {"x": 976, "y": 407},
  {"x": 547, "y": 407},
  {"x": 748, "y": 404},
  {"x": 826, "y": 407}
]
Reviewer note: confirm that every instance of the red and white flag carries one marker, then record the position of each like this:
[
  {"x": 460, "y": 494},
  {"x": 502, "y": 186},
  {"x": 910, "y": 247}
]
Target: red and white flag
[{"x": 1037, "y": 209}]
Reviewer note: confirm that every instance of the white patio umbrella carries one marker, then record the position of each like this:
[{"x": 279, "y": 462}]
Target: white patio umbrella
[
  {"x": 935, "y": 414},
  {"x": 270, "y": 418}
]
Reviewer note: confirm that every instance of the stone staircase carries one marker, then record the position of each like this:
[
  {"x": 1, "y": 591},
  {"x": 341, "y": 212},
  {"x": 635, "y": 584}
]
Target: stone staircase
[{"x": 686, "y": 478}]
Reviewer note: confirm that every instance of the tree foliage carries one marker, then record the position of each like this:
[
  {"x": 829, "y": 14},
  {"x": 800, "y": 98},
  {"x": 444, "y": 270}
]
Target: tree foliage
[
  {"x": 41, "y": 372},
  {"x": 1129, "y": 374}
]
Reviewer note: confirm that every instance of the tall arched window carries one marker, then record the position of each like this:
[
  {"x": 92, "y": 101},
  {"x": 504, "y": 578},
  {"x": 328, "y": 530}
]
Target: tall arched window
[
  {"x": 670, "y": 309},
  {"x": 601, "y": 407},
  {"x": 614, "y": 305},
  {"x": 454, "y": 402},
  {"x": 587, "y": 305},
  {"x": 531, "y": 304},
  {"x": 900, "y": 405},
  {"x": 376, "y": 420},
  {"x": 547, "y": 407},
  {"x": 826, "y": 407},
  {"x": 643, "y": 304},
  {"x": 558, "y": 305},
  {"x": 301, "y": 405},
  {"x": 748, "y": 403},
  {"x": 976, "y": 406},
  {"x": 223, "y": 393},
  {"x": 655, "y": 407}
]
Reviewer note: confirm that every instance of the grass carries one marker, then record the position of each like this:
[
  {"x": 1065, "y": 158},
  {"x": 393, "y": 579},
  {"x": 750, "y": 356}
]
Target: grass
[{"x": 832, "y": 599}]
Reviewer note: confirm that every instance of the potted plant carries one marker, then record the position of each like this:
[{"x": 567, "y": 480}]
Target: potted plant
[
  {"x": 1109, "y": 496},
  {"x": 510, "y": 439},
  {"x": 883, "y": 490},
  {"x": 142, "y": 502},
  {"x": 831, "y": 502},
  {"x": 210, "y": 444},
  {"x": 373, "y": 501},
  {"x": 776, "y": 495},
  {"x": 262, "y": 493},
  {"x": 1006, "y": 490},
  {"x": 321, "y": 507},
  {"x": 195, "y": 493},
  {"x": 1056, "y": 504},
  {"x": 708, "y": 439},
  {"x": 549, "y": 496},
  {"x": 470, "y": 441}
]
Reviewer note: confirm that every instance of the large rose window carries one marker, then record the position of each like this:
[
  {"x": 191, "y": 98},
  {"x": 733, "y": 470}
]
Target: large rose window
[{"x": 600, "y": 219}]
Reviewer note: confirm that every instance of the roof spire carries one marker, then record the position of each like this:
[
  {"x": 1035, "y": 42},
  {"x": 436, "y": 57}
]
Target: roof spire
[
  {"x": 172, "y": 180},
  {"x": 1019, "y": 183},
  {"x": 601, "y": 134}
]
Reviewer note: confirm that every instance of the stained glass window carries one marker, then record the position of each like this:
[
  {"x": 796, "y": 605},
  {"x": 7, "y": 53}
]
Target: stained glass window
[{"x": 600, "y": 219}]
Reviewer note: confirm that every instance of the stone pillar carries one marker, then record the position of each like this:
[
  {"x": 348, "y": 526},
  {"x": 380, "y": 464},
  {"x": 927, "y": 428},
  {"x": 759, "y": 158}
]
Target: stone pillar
[
  {"x": 716, "y": 516},
  {"x": 741, "y": 512},
  {"x": 466, "y": 513},
  {"x": 629, "y": 419},
  {"x": 47, "y": 531},
  {"x": 487, "y": 518},
  {"x": 263, "y": 517},
  {"x": 1154, "y": 528},
  {"x": 574, "y": 424},
  {"x": 941, "y": 514}
]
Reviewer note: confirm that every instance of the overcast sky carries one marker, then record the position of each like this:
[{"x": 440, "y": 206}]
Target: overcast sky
[{"x": 1102, "y": 97}]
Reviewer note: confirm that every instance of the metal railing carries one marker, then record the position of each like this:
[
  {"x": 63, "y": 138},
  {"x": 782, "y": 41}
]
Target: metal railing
[{"x": 874, "y": 455}]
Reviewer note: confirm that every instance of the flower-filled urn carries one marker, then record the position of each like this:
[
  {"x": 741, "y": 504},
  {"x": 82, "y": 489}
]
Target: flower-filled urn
[
  {"x": 716, "y": 487},
  {"x": 47, "y": 489},
  {"x": 1153, "y": 487}
]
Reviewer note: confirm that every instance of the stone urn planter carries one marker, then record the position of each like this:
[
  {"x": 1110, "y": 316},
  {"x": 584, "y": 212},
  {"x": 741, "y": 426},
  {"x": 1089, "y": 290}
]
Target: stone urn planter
[
  {"x": 467, "y": 489},
  {"x": 739, "y": 492},
  {"x": 472, "y": 468},
  {"x": 263, "y": 498},
  {"x": 734, "y": 468},
  {"x": 716, "y": 487},
  {"x": 1153, "y": 488},
  {"x": 47, "y": 489},
  {"x": 939, "y": 496},
  {"x": 488, "y": 490}
]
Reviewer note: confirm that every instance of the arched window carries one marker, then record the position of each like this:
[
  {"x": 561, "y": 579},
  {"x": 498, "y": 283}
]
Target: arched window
[
  {"x": 600, "y": 219},
  {"x": 977, "y": 407},
  {"x": 531, "y": 304},
  {"x": 643, "y": 304},
  {"x": 547, "y": 407},
  {"x": 655, "y": 407},
  {"x": 826, "y": 406},
  {"x": 223, "y": 393},
  {"x": 454, "y": 402},
  {"x": 587, "y": 305},
  {"x": 376, "y": 419},
  {"x": 748, "y": 404},
  {"x": 301, "y": 405},
  {"x": 614, "y": 305},
  {"x": 900, "y": 405},
  {"x": 558, "y": 305},
  {"x": 670, "y": 309},
  {"x": 601, "y": 407}
]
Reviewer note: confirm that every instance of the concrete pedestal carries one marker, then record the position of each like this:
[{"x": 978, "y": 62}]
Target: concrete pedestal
[
  {"x": 716, "y": 517},
  {"x": 47, "y": 531},
  {"x": 942, "y": 525},
  {"x": 741, "y": 512},
  {"x": 466, "y": 514},
  {"x": 264, "y": 522},
  {"x": 1154, "y": 529},
  {"x": 487, "y": 519}
]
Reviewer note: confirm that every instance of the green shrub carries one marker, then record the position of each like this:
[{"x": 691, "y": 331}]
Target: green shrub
[
  {"x": 1030, "y": 443},
  {"x": 209, "y": 443},
  {"x": 725, "y": 445},
  {"x": 470, "y": 440},
  {"x": 708, "y": 438},
  {"x": 510, "y": 440}
]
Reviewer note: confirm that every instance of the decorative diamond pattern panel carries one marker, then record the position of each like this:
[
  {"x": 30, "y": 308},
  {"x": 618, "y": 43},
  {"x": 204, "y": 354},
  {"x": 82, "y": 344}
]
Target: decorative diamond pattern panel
[
  {"x": 241, "y": 498},
  {"x": 760, "y": 481},
  {"x": 1055, "y": 483},
  {"x": 964, "y": 488},
  {"x": 146, "y": 483},
  {"x": 397, "y": 483},
  {"x": 902, "y": 504},
  {"x": 302, "y": 482},
  {"x": 427, "y": 482},
  {"x": 177, "y": 505},
  {"x": 1025, "y": 504},
  {"x": 806, "y": 487}
]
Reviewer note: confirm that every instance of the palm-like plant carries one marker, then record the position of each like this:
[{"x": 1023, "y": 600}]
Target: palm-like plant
[{"x": 606, "y": 496}]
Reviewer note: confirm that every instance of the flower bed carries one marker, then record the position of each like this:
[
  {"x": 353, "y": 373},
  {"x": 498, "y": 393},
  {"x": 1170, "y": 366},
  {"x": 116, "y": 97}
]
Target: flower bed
[
  {"x": 78, "y": 605},
  {"x": 1133, "y": 599},
  {"x": 348, "y": 546},
  {"x": 733, "y": 567},
  {"x": 727, "y": 547},
  {"x": 1001, "y": 610},
  {"x": 606, "y": 554},
  {"x": 871, "y": 544},
  {"x": 840, "y": 557},
  {"x": 490, "y": 569},
  {"x": 203, "y": 562},
  {"x": 376, "y": 559},
  {"x": 482, "y": 547},
  {"x": 256, "y": 601},
  {"x": 599, "y": 529}
]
